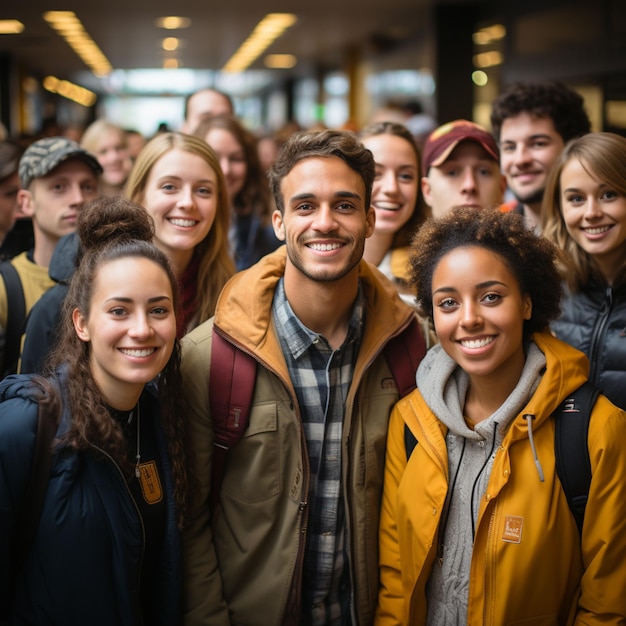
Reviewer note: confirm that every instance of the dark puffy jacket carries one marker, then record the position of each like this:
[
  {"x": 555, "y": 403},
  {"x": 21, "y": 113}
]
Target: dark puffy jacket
[
  {"x": 85, "y": 560},
  {"x": 43, "y": 320},
  {"x": 594, "y": 321}
]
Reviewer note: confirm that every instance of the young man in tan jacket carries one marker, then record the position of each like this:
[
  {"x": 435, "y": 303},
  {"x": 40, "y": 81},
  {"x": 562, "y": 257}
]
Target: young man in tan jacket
[{"x": 293, "y": 538}]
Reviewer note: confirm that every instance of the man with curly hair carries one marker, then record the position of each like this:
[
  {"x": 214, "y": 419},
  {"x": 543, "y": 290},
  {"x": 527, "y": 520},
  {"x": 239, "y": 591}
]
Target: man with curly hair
[{"x": 532, "y": 123}]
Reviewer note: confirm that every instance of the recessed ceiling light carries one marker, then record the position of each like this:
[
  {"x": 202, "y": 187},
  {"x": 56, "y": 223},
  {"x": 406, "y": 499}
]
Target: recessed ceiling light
[
  {"x": 11, "y": 27},
  {"x": 270, "y": 28},
  {"x": 280, "y": 61},
  {"x": 69, "y": 90},
  {"x": 172, "y": 22},
  {"x": 488, "y": 59},
  {"x": 71, "y": 29},
  {"x": 171, "y": 43},
  {"x": 489, "y": 34}
]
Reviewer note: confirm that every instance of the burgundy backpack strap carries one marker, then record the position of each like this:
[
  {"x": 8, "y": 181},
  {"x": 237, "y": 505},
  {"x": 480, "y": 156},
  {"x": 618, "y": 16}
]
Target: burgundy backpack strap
[
  {"x": 404, "y": 353},
  {"x": 231, "y": 385}
]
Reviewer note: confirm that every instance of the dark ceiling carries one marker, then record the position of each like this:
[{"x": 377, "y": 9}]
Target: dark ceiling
[{"x": 126, "y": 32}]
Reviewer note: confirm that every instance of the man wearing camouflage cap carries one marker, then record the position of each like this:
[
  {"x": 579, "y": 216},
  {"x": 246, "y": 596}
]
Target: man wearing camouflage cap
[{"x": 57, "y": 176}]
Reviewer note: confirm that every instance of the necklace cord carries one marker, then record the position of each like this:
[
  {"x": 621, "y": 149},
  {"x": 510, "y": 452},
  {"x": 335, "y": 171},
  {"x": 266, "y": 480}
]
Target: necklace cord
[{"x": 138, "y": 454}]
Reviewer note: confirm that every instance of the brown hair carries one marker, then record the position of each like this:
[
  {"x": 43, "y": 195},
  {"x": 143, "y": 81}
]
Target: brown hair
[
  {"x": 255, "y": 193},
  {"x": 323, "y": 143},
  {"x": 402, "y": 238},
  {"x": 111, "y": 228}
]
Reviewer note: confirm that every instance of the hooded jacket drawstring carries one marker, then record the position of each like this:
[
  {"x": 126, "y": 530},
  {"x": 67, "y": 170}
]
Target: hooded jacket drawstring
[
  {"x": 529, "y": 420},
  {"x": 482, "y": 469}
]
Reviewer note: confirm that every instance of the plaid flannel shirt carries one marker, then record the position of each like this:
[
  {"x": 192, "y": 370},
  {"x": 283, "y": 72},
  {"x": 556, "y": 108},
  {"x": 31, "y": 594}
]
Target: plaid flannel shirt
[{"x": 321, "y": 377}]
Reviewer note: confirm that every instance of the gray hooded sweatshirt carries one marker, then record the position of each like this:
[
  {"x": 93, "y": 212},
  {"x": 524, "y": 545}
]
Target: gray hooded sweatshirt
[{"x": 470, "y": 455}]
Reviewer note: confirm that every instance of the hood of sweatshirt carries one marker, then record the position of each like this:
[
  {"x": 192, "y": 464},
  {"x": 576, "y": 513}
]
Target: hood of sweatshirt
[{"x": 63, "y": 261}]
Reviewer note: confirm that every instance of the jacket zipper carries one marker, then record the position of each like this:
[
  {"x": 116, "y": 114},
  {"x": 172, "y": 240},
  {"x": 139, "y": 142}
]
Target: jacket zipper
[
  {"x": 597, "y": 338},
  {"x": 488, "y": 607},
  {"x": 143, "y": 529}
]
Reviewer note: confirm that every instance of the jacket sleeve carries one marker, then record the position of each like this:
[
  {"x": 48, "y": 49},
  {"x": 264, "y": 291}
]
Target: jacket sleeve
[
  {"x": 204, "y": 603},
  {"x": 18, "y": 425},
  {"x": 602, "y": 599},
  {"x": 42, "y": 321},
  {"x": 391, "y": 602}
]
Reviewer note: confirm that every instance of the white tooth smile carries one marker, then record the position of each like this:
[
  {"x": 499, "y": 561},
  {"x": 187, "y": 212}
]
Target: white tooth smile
[
  {"x": 137, "y": 353},
  {"x": 325, "y": 247},
  {"x": 597, "y": 231},
  {"x": 182, "y": 222},
  {"x": 387, "y": 206},
  {"x": 472, "y": 344}
]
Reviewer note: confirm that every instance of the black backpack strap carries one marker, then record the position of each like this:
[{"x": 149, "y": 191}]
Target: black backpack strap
[
  {"x": 16, "y": 317},
  {"x": 231, "y": 386},
  {"x": 573, "y": 465},
  {"x": 30, "y": 513}
]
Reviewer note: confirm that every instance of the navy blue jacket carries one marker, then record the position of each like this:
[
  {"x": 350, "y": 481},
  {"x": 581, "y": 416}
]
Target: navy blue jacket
[
  {"x": 594, "y": 322},
  {"x": 43, "y": 320},
  {"x": 84, "y": 566}
]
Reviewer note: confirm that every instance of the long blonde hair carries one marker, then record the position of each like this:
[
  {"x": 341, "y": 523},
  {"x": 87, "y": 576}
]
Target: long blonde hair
[
  {"x": 603, "y": 155},
  {"x": 215, "y": 262}
]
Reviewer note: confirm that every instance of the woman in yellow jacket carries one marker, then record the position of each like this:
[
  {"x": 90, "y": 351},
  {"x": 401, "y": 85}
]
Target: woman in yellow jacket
[{"x": 475, "y": 525}]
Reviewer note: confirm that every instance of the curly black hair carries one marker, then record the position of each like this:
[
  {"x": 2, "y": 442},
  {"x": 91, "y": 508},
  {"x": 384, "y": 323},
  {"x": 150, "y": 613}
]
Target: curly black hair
[
  {"x": 532, "y": 259},
  {"x": 564, "y": 106}
]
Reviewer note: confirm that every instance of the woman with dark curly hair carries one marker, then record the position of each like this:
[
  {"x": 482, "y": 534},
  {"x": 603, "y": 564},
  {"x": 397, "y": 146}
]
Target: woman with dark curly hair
[
  {"x": 107, "y": 547},
  {"x": 475, "y": 525},
  {"x": 584, "y": 212}
]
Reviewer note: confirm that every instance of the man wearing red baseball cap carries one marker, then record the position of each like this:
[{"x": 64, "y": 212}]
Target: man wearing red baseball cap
[{"x": 461, "y": 167}]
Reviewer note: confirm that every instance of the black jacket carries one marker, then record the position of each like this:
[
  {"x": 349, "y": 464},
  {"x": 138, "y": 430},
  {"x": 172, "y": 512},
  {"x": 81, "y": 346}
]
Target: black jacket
[
  {"x": 594, "y": 321},
  {"x": 43, "y": 320},
  {"x": 85, "y": 560}
]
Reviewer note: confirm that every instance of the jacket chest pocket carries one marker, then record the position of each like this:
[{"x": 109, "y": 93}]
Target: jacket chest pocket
[{"x": 252, "y": 465}]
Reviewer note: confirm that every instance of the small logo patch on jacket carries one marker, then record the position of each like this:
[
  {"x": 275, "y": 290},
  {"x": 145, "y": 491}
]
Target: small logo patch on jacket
[
  {"x": 150, "y": 483},
  {"x": 513, "y": 529},
  {"x": 389, "y": 383}
]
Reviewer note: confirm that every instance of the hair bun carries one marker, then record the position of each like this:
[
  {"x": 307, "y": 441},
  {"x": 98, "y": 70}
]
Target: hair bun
[{"x": 109, "y": 220}]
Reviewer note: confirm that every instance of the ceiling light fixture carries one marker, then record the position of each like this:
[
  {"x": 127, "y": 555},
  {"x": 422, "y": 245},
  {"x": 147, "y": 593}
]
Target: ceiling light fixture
[
  {"x": 270, "y": 28},
  {"x": 173, "y": 22},
  {"x": 69, "y": 90},
  {"x": 11, "y": 27},
  {"x": 488, "y": 59},
  {"x": 170, "y": 43},
  {"x": 489, "y": 34},
  {"x": 71, "y": 29},
  {"x": 280, "y": 61}
]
